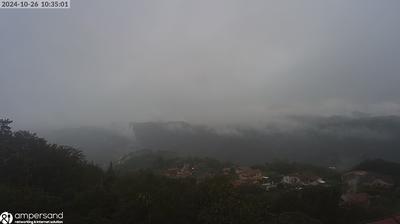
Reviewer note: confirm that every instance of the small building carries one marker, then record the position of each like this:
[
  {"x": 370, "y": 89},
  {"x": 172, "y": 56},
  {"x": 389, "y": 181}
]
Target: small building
[
  {"x": 268, "y": 183},
  {"x": 292, "y": 180}
]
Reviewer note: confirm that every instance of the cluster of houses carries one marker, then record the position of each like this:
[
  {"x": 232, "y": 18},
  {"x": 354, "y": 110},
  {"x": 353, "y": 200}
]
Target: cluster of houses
[
  {"x": 251, "y": 176},
  {"x": 296, "y": 181},
  {"x": 185, "y": 171},
  {"x": 357, "y": 185},
  {"x": 247, "y": 176},
  {"x": 299, "y": 179}
]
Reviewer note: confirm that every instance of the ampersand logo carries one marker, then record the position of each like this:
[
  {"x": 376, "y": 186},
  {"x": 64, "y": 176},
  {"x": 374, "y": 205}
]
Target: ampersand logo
[{"x": 6, "y": 218}]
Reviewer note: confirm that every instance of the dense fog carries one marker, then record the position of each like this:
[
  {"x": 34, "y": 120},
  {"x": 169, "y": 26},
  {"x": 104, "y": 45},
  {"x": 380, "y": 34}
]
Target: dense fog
[{"x": 205, "y": 62}]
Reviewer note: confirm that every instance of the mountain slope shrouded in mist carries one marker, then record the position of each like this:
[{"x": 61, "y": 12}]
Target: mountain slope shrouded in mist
[
  {"x": 335, "y": 141},
  {"x": 338, "y": 140}
]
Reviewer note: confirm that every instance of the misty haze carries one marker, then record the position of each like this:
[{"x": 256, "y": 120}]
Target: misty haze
[{"x": 185, "y": 111}]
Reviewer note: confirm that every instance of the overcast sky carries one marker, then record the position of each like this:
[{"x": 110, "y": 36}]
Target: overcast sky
[{"x": 202, "y": 61}]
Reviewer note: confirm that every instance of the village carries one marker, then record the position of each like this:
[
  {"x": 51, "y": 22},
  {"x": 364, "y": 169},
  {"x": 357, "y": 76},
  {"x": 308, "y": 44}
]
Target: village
[
  {"x": 367, "y": 187},
  {"x": 250, "y": 176},
  {"x": 358, "y": 187}
]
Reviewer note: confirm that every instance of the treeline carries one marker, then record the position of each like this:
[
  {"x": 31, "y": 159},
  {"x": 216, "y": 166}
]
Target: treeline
[
  {"x": 40, "y": 177},
  {"x": 325, "y": 141}
]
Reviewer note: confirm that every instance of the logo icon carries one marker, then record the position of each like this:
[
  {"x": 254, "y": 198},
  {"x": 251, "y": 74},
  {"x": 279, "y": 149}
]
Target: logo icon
[{"x": 6, "y": 218}]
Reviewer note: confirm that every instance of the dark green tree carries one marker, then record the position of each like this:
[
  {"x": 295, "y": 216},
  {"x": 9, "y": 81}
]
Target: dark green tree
[{"x": 5, "y": 128}]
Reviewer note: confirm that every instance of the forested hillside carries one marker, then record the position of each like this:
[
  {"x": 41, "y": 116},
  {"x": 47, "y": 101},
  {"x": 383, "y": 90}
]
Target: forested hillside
[{"x": 332, "y": 141}]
